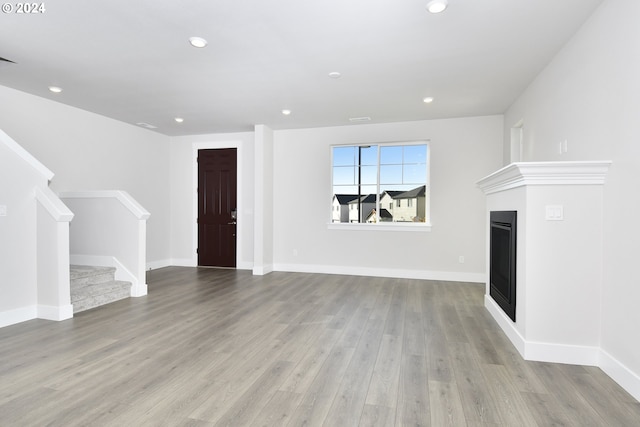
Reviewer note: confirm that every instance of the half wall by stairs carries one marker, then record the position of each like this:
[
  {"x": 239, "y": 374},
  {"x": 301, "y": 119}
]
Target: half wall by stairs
[{"x": 95, "y": 286}]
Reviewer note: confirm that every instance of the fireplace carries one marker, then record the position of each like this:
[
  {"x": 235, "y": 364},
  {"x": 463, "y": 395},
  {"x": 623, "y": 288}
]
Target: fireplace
[
  {"x": 559, "y": 297},
  {"x": 502, "y": 250}
]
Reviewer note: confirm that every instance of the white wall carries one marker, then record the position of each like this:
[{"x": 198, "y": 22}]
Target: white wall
[
  {"x": 18, "y": 272},
  {"x": 87, "y": 151},
  {"x": 183, "y": 179},
  {"x": 462, "y": 151},
  {"x": 588, "y": 95}
]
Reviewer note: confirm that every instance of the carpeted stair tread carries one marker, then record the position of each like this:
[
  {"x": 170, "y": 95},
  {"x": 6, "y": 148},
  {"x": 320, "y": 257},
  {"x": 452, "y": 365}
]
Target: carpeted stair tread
[
  {"x": 94, "y": 301},
  {"x": 99, "y": 289},
  {"x": 95, "y": 286},
  {"x": 81, "y": 271}
]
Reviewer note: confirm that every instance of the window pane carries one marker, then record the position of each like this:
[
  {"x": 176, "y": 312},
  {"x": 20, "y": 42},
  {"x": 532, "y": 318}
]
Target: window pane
[
  {"x": 414, "y": 174},
  {"x": 391, "y": 174},
  {"x": 391, "y": 155},
  {"x": 344, "y": 175},
  {"x": 369, "y": 190},
  {"x": 369, "y": 155},
  {"x": 344, "y": 156},
  {"x": 369, "y": 175},
  {"x": 345, "y": 189},
  {"x": 398, "y": 183},
  {"x": 415, "y": 154},
  {"x": 398, "y": 187}
]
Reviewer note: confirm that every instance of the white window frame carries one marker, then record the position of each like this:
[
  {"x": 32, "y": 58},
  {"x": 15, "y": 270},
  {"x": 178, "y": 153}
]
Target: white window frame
[{"x": 387, "y": 226}]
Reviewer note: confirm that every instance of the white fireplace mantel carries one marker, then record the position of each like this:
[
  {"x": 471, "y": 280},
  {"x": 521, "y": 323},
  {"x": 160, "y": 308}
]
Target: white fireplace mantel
[
  {"x": 558, "y": 258},
  {"x": 545, "y": 173}
]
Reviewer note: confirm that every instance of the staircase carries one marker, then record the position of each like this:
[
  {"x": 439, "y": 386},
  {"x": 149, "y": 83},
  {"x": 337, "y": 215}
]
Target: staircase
[{"x": 95, "y": 286}]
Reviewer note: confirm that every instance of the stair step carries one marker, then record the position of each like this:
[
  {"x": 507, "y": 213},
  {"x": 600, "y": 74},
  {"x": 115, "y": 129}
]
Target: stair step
[
  {"x": 98, "y": 289},
  {"x": 95, "y": 286},
  {"x": 84, "y": 274},
  {"x": 106, "y": 293}
]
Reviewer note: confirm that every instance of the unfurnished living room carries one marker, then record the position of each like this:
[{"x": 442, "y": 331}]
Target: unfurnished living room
[{"x": 337, "y": 213}]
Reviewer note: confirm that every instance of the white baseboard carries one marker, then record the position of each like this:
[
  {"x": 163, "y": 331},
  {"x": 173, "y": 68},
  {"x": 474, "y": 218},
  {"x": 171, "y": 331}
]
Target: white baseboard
[
  {"x": 183, "y": 262},
  {"x": 47, "y": 312},
  {"x": 383, "y": 272},
  {"x": 542, "y": 351},
  {"x": 262, "y": 270},
  {"x": 139, "y": 290},
  {"x": 18, "y": 315},
  {"x": 505, "y": 323},
  {"x": 50, "y": 312},
  {"x": 565, "y": 353},
  {"x": 562, "y": 353},
  {"x": 624, "y": 376},
  {"x": 188, "y": 262},
  {"x": 154, "y": 265}
]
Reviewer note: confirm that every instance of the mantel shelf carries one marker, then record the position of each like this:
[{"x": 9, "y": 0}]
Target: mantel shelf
[{"x": 545, "y": 173}]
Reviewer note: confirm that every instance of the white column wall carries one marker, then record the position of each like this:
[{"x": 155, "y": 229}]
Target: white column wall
[{"x": 263, "y": 240}]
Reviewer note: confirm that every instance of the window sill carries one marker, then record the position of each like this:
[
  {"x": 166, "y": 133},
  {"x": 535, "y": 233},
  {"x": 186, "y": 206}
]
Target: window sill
[{"x": 396, "y": 226}]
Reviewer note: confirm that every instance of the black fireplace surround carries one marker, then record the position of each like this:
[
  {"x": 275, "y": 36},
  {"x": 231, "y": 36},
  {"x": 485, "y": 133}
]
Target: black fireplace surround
[{"x": 502, "y": 250}]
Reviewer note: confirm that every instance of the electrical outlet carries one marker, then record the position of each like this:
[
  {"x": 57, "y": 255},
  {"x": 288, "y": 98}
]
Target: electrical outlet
[
  {"x": 3, "y": 210},
  {"x": 461, "y": 259}
]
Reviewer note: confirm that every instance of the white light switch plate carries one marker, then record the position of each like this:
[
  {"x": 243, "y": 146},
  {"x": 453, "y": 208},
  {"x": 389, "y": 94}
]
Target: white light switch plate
[
  {"x": 3, "y": 210},
  {"x": 554, "y": 213}
]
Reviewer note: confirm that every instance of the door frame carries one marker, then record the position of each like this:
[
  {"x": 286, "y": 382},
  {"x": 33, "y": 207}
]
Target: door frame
[{"x": 195, "y": 147}]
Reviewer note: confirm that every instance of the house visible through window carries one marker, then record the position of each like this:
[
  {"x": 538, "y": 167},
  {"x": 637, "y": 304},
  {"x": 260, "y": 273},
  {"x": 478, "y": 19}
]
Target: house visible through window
[{"x": 370, "y": 183}]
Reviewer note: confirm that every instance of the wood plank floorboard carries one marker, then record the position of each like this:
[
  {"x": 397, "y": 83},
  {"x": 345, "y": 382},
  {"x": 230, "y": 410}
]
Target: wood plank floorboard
[{"x": 216, "y": 347}]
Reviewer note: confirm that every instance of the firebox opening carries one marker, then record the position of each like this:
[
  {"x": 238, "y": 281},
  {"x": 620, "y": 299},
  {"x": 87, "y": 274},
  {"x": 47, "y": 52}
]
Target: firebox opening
[{"x": 502, "y": 270}]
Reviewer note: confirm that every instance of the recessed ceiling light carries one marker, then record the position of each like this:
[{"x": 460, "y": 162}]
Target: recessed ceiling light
[
  {"x": 437, "y": 6},
  {"x": 55, "y": 89},
  {"x": 428, "y": 100},
  {"x": 335, "y": 75},
  {"x": 197, "y": 42},
  {"x": 286, "y": 112},
  {"x": 179, "y": 119}
]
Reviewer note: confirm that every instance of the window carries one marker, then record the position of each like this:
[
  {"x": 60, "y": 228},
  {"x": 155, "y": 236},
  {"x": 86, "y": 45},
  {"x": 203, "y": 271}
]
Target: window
[{"x": 383, "y": 183}]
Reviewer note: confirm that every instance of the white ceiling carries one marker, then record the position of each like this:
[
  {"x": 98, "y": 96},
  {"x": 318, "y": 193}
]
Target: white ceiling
[{"x": 131, "y": 60}]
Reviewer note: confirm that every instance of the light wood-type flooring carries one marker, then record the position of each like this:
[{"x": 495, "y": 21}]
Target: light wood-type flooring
[{"x": 222, "y": 347}]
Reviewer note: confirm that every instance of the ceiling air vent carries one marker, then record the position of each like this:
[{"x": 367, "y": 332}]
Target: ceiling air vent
[
  {"x": 146, "y": 125},
  {"x": 359, "y": 119}
]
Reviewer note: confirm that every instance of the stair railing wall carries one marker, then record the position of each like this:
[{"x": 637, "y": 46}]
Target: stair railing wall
[
  {"x": 34, "y": 225},
  {"x": 109, "y": 229},
  {"x": 52, "y": 217}
]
